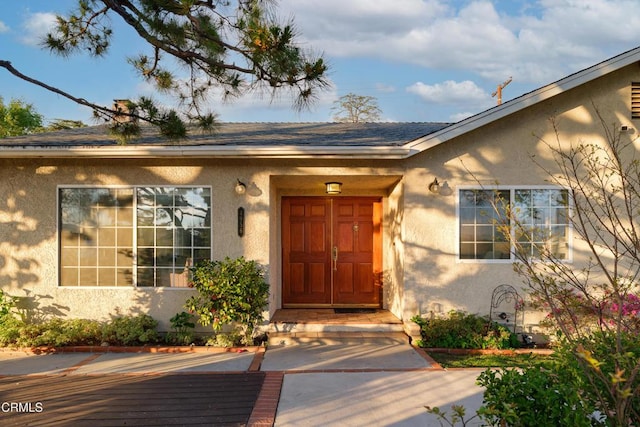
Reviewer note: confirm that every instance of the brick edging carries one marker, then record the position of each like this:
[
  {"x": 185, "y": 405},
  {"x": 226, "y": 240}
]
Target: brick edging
[
  {"x": 265, "y": 408},
  {"x": 129, "y": 349},
  {"x": 430, "y": 360}
]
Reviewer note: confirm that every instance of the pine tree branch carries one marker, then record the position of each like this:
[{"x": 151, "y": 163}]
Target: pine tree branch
[{"x": 98, "y": 108}]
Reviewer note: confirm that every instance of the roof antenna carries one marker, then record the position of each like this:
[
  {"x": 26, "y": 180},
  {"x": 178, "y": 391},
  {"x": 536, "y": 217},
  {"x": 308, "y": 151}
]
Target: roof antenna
[{"x": 499, "y": 90}]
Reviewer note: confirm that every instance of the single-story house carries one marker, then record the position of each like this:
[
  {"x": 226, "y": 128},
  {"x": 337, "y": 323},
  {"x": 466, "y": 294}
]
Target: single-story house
[{"x": 389, "y": 215}]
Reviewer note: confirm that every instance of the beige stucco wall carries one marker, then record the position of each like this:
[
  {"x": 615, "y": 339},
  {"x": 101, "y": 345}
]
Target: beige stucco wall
[
  {"x": 497, "y": 154},
  {"x": 28, "y": 222},
  {"x": 421, "y": 271}
]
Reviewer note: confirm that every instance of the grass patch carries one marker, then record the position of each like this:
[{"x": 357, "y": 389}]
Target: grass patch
[{"x": 490, "y": 360}]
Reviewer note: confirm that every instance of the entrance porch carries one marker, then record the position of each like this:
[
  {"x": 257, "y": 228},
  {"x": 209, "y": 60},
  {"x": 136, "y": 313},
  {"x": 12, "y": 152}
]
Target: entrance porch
[{"x": 327, "y": 325}]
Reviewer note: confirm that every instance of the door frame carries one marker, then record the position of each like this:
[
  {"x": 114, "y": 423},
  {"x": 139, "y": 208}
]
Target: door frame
[{"x": 377, "y": 261}]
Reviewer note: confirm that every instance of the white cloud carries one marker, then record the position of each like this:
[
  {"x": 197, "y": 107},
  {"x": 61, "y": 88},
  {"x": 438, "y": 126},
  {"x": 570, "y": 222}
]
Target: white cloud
[
  {"x": 534, "y": 44},
  {"x": 3, "y": 27},
  {"x": 450, "y": 92},
  {"x": 454, "y": 118},
  {"x": 36, "y": 27}
]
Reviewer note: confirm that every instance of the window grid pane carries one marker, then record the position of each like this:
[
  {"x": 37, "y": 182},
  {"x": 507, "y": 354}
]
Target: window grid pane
[
  {"x": 89, "y": 230},
  {"x": 481, "y": 215},
  {"x": 171, "y": 227},
  {"x": 174, "y": 233},
  {"x": 542, "y": 216}
]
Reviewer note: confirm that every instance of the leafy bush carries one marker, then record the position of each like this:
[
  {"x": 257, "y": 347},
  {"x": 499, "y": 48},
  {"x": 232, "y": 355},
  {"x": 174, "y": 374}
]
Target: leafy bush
[
  {"x": 461, "y": 330},
  {"x": 10, "y": 328},
  {"x": 139, "y": 329},
  {"x": 67, "y": 332},
  {"x": 233, "y": 290},
  {"x": 182, "y": 329},
  {"x": 608, "y": 379},
  {"x": 60, "y": 332},
  {"x": 532, "y": 396},
  {"x": 10, "y": 325},
  {"x": 566, "y": 392},
  {"x": 7, "y": 304},
  {"x": 234, "y": 338}
]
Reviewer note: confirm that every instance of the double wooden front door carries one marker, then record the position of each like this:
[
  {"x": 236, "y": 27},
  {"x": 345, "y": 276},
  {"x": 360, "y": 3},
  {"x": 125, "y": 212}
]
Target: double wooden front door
[{"x": 331, "y": 251}]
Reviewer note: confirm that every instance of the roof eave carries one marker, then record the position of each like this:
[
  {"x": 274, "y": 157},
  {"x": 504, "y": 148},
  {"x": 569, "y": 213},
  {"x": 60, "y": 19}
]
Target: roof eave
[{"x": 260, "y": 152}]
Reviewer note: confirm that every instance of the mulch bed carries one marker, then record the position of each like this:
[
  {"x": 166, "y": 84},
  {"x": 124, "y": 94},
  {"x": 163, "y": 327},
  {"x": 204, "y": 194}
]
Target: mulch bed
[{"x": 217, "y": 399}]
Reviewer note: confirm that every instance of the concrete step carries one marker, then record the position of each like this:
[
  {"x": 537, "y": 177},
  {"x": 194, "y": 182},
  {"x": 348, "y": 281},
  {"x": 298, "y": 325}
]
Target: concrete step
[
  {"x": 309, "y": 327},
  {"x": 336, "y": 338}
]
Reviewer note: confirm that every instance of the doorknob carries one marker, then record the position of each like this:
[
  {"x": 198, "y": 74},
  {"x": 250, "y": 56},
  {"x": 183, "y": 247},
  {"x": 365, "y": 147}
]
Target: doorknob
[{"x": 334, "y": 256}]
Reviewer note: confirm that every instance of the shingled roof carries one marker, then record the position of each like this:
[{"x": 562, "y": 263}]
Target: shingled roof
[
  {"x": 296, "y": 140},
  {"x": 273, "y": 140},
  {"x": 245, "y": 134}
]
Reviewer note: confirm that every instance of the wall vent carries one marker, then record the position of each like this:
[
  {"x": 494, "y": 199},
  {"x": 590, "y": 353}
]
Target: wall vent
[{"x": 635, "y": 100}]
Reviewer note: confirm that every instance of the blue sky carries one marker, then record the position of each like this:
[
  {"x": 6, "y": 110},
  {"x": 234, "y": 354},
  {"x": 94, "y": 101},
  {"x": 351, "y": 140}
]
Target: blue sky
[{"x": 424, "y": 60}]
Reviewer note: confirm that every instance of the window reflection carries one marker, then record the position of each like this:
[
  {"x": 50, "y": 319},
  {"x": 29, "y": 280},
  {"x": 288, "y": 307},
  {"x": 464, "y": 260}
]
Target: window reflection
[
  {"x": 171, "y": 227},
  {"x": 541, "y": 220}
]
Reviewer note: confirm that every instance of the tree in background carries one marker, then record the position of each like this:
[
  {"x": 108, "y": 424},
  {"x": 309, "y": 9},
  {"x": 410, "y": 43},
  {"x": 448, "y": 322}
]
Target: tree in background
[
  {"x": 352, "y": 108},
  {"x": 232, "y": 46},
  {"x": 61, "y": 124},
  {"x": 18, "y": 118}
]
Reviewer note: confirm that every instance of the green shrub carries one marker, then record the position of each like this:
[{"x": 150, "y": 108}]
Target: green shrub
[
  {"x": 532, "y": 396},
  {"x": 10, "y": 329},
  {"x": 607, "y": 373},
  {"x": 10, "y": 325},
  {"x": 581, "y": 388},
  {"x": 60, "y": 332},
  {"x": 229, "y": 291},
  {"x": 68, "y": 332},
  {"x": 7, "y": 305},
  {"x": 182, "y": 329},
  {"x": 467, "y": 331},
  {"x": 234, "y": 338},
  {"x": 129, "y": 330}
]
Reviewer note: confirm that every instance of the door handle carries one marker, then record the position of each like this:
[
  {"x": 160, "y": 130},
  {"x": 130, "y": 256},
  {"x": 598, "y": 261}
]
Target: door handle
[{"x": 334, "y": 256}]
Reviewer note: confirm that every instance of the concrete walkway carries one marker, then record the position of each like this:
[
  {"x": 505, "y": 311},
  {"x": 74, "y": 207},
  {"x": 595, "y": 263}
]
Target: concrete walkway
[{"x": 373, "y": 383}]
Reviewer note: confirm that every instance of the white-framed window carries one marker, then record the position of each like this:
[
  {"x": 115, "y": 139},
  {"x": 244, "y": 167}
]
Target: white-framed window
[
  {"x": 541, "y": 215},
  {"x": 146, "y": 236}
]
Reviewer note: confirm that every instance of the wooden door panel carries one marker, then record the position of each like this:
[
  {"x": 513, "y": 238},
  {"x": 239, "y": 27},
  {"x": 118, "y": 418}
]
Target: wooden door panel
[
  {"x": 365, "y": 210},
  {"x": 317, "y": 209},
  {"x": 365, "y": 237},
  {"x": 296, "y": 278},
  {"x": 365, "y": 278},
  {"x": 344, "y": 237},
  {"x": 317, "y": 242},
  {"x": 343, "y": 277},
  {"x": 354, "y": 233},
  {"x": 296, "y": 244},
  {"x": 317, "y": 278},
  {"x": 311, "y": 228},
  {"x": 306, "y": 240}
]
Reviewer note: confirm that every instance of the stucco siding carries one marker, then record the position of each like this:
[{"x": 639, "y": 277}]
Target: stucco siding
[
  {"x": 422, "y": 272},
  {"x": 510, "y": 152},
  {"x": 28, "y": 220}
]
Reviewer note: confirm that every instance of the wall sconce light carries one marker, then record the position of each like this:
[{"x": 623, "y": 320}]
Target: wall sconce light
[
  {"x": 240, "y": 188},
  {"x": 434, "y": 187},
  {"x": 333, "y": 187}
]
